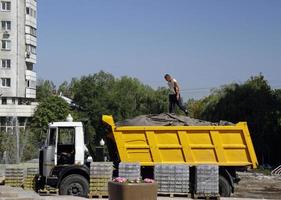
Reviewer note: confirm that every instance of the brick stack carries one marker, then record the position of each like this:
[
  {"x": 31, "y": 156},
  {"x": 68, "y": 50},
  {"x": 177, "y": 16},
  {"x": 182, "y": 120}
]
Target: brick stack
[
  {"x": 14, "y": 177},
  {"x": 172, "y": 179},
  {"x": 207, "y": 180},
  {"x": 100, "y": 175},
  {"x": 30, "y": 179},
  {"x": 130, "y": 171}
]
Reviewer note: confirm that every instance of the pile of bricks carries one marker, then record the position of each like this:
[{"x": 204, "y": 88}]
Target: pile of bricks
[
  {"x": 207, "y": 180},
  {"x": 14, "y": 177},
  {"x": 30, "y": 179},
  {"x": 100, "y": 175},
  {"x": 172, "y": 179},
  {"x": 130, "y": 171}
]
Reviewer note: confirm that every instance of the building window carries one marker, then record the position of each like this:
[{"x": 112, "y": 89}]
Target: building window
[
  {"x": 32, "y": 31},
  {"x": 28, "y": 10},
  {"x": 6, "y": 63},
  {"x": 31, "y": 12},
  {"x": 5, "y": 5},
  {"x": 30, "y": 49},
  {"x": 34, "y": 13},
  {"x": 6, "y": 82},
  {"x": 29, "y": 66},
  {"x": 6, "y": 44},
  {"x": 6, "y": 25},
  {"x": 4, "y": 101}
]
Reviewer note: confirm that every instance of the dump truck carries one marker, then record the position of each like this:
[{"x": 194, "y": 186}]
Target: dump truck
[{"x": 64, "y": 161}]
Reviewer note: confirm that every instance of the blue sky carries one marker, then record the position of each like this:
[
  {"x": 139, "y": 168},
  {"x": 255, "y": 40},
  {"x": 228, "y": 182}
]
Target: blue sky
[{"x": 202, "y": 43}]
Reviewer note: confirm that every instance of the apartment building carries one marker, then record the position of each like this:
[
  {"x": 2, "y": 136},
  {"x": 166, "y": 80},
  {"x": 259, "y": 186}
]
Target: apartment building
[{"x": 18, "y": 41}]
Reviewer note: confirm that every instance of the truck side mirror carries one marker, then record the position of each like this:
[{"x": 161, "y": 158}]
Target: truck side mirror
[{"x": 42, "y": 144}]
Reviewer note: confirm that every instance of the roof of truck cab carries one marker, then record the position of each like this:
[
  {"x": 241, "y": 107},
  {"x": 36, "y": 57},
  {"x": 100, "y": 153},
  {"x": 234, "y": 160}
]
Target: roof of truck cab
[{"x": 66, "y": 124}]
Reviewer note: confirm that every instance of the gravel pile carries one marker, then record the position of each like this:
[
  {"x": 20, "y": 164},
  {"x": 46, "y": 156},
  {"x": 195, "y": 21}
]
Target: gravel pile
[{"x": 167, "y": 119}]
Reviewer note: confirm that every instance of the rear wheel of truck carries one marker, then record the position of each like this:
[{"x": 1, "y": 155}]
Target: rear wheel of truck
[
  {"x": 224, "y": 187},
  {"x": 75, "y": 185}
]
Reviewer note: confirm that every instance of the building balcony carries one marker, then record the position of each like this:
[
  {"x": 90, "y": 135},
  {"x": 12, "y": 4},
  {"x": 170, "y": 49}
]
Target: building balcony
[
  {"x": 30, "y": 57},
  {"x": 29, "y": 39},
  {"x": 18, "y": 110},
  {"x": 30, "y": 21},
  {"x": 30, "y": 93},
  {"x": 30, "y": 75},
  {"x": 31, "y": 3}
]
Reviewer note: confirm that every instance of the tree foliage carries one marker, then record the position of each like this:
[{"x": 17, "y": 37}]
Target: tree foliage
[
  {"x": 95, "y": 95},
  {"x": 50, "y": 109},
  {"x": 102, "y": 93},
  {"x": 45, "y": 88},
  {"x": 68, "y": 89},
  {"x": 254, "y": 102}
]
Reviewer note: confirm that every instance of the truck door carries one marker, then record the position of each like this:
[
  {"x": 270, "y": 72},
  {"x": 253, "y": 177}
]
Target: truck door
[
  {"x": 66, "y": 146},
  {"x": 50, "y": 152}
]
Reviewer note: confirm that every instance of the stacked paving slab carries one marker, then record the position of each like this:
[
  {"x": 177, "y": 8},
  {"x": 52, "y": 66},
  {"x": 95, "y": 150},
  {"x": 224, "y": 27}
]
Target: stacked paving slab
[
  {"x": 30, "y": 179},
  {"x": 207, "y": 180},
  {"x": 130, "y": 171},
  {"x": 14, "y": 177},
  {"x": 172, "y": 179},
  {"x": 100, "y": 175}
]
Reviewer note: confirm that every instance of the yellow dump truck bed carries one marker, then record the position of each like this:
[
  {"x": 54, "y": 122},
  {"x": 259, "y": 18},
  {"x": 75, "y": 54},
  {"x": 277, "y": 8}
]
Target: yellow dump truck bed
[{"x": 149, "y": 145}]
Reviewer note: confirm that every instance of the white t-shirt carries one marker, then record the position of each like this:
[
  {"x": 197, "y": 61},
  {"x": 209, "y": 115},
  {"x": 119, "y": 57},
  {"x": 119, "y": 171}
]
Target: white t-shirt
[{"x": 171, "y": 85}]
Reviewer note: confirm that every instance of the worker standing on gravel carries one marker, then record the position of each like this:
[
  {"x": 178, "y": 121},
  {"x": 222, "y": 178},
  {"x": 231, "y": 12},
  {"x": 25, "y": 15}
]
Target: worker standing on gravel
[{"x": 174, "y": 95}]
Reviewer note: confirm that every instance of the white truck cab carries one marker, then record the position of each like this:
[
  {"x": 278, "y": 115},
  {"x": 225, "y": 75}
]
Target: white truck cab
[{"x": 62, "y": 154}]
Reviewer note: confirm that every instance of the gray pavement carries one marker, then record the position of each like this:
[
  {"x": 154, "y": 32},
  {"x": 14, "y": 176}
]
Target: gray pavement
[{"x": 9, "y": 193}]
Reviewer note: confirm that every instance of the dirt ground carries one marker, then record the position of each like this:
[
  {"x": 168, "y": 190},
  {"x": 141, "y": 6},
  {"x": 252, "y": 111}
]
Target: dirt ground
[{"x": 256, "y": 185}]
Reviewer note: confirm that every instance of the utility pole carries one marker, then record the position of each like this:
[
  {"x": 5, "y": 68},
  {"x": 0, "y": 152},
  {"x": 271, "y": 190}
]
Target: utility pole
[
  {"x": 18, "y": 141},
  {"x": 15, "y": 127}
]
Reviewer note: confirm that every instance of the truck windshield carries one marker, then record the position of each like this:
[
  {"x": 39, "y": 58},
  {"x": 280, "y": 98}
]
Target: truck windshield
[{"x": 66, "y": 135}]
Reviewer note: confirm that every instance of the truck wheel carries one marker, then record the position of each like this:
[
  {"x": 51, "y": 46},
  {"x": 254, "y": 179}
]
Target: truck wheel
[
  {"x": 224, "y": 187},
  {"x": 75, "y": 185}
]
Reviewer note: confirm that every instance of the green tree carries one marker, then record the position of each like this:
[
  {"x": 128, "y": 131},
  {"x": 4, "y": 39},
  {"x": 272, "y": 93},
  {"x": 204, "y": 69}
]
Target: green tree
[
  {"x": 50, "y": 109},
  {"x": 102, "y": 93},
  {"x": 45, "y": 88},
  {"x": 254, "y": 102},
  {"x": 68, "y": 89}
]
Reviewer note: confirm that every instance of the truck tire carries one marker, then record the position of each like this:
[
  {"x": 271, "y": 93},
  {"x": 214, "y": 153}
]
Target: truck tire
[
  {"x": 224, "y": 187},
  {"x": 75, "y": 185}
]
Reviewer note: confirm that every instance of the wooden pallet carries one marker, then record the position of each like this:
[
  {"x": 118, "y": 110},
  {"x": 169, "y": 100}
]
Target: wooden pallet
[
  {"x": 14, "y": 182},
  {"x": 98, "y": 190},
  {"x": 172, "y": 195},
  {"x": 100, "y": 179},
  {"x": 48, "y": 192},
  {"x": 206, "y": 196},
  {"x": 92, "y": 195},
  {"x": 13, "y": 185},
  {"x": 96, "y": 184}
]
